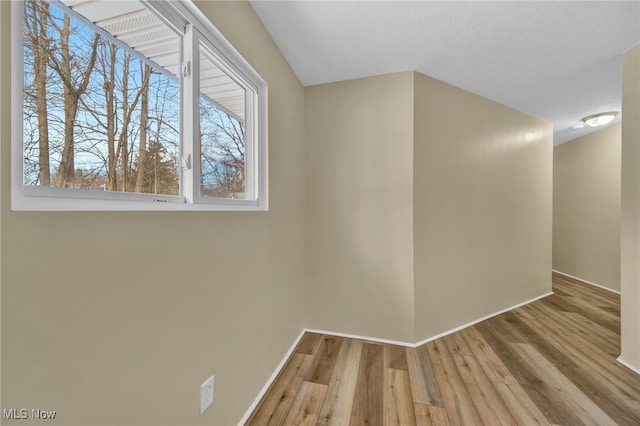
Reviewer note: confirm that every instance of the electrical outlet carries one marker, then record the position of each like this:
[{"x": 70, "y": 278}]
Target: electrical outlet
[{"x": 206, "y": 394}]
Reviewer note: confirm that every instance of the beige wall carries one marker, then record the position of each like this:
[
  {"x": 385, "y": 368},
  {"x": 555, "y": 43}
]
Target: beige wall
[
  {"x": 117, "y": 318},
  {"x": 630, "y": 214},
  {"x": 586, "y": 207},
  {"x": 482, "y": 207},
  {"x": 359, "y": 215},
  {"x": 396, "y": 183}
]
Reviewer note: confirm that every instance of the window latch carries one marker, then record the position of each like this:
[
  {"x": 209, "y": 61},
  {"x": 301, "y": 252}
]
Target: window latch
[
  {"x": 186, "y": 162},
  {"x": 186, "y": 69}
]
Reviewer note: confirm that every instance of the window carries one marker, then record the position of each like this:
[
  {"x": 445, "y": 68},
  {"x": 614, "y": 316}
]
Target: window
[{"x": 133, "y": 105}]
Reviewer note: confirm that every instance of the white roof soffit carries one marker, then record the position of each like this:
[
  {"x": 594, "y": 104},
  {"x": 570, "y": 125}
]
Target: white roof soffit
[{"x": 134, "y": 25}]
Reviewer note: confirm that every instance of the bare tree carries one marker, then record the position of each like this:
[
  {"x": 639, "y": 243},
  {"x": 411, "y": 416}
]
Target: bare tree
[
  {"x": 127, "y": 112},
  {"x": 144, "y": 122},
  {"x": 123, "y": 146},
  {"x": 36, "y": 13},
  {"x": 109, "y": 71},
  {"x": 223, "y": 152},
  {"x": 118, "y": 119},
  {"x": 157, "y": 165},
  {"x": 72, "y": 91}
]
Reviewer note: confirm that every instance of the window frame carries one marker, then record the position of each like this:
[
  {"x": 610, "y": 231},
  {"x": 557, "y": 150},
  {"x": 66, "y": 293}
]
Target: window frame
[{"x": 195, "y": 30}]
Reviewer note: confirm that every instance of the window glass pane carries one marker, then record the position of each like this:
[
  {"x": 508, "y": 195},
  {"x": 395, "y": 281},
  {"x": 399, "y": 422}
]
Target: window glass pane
[
  {"x": 222, "y": 133},
  {"x": 101, "y": 98}
]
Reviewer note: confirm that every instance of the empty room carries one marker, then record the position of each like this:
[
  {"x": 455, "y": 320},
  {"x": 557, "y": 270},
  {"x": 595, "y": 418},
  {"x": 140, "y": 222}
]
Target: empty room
[{"x": 319, "y": 212}]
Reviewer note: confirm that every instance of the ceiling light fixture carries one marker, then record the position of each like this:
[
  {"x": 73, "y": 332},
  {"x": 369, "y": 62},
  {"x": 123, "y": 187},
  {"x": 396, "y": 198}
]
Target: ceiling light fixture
[{"x": 599, "y": 120}]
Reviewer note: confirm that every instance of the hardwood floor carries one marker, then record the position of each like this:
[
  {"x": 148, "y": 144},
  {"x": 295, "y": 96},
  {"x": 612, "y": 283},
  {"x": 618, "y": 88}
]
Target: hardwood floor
[{"x": 549, "y": 362}]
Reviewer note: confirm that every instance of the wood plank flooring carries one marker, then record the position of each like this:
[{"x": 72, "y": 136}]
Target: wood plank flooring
[{"x": 551, "y": 362}]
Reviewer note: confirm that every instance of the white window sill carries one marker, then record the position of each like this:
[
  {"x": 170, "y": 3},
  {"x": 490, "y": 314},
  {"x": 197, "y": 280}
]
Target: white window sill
[{"x": 76, "y": 204}]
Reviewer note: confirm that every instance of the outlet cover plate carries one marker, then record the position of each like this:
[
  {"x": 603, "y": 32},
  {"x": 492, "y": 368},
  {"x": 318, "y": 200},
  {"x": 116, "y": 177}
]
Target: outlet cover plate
[{"x": 206, "y": 394}]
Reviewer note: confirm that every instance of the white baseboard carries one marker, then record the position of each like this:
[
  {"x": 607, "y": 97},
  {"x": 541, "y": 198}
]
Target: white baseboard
[
  {"x": 280, "y": 366},
  {"x": 469, "y": 324},
  {"x": 629, "y": 366},
  {"x": 429, "y": 339},
  {"x": 355, "y": 336},
  {"x": 587, "y": 282},
  {"x": 272, "y": 379}
]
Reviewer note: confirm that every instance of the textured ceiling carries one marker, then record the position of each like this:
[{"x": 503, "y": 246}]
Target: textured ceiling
[{"x": 559, "y": 61}]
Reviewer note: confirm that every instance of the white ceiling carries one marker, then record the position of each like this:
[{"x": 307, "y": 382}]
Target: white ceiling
[{"x": 559, "y": 60}]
